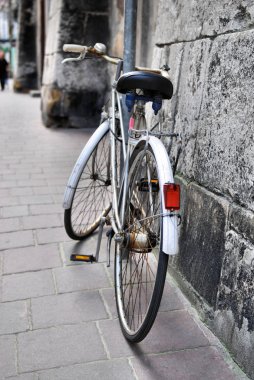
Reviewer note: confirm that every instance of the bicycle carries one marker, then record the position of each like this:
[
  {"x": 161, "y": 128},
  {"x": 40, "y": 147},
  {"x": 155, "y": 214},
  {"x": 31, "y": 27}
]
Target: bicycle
[{"x": 130, "y": 186}]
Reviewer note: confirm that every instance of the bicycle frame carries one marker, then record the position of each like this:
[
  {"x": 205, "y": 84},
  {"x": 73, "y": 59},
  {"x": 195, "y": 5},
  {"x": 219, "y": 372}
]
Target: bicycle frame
[{"x": 170, "y": 245}]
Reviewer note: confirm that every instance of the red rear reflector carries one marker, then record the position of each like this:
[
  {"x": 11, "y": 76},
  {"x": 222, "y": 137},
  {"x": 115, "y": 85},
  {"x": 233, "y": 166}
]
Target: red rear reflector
[{"x": 171, "y": 196}]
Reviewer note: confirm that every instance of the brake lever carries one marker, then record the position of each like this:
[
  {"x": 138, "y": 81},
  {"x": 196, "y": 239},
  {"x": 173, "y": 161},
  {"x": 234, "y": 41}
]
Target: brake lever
[{"x": 79, "y": 58}]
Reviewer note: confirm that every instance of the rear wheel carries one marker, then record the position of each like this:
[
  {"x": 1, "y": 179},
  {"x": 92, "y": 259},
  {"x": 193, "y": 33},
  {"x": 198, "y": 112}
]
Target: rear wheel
[
  {"x": 91, "y": 198},
  {"x": 140, "y": 264}
]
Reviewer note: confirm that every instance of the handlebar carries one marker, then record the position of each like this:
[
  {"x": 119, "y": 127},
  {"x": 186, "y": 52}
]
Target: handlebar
[{"x": 99, "y": 51}]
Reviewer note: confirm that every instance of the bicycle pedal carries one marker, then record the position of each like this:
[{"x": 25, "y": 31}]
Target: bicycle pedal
[{"x": 84, "y": 258}]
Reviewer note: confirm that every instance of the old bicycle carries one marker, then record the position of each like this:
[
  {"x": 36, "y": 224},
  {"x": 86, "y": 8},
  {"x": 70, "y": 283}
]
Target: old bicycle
[{"x": 129, "y": 185}]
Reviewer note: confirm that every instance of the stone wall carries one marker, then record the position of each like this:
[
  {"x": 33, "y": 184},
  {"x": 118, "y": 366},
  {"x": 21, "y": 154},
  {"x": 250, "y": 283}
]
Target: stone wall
[
  {"x": 209, "y": 47},
  {"x": 73, "y": 94}
]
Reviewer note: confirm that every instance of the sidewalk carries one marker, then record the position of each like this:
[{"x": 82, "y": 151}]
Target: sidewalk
[{"x": 57, "y": 318}]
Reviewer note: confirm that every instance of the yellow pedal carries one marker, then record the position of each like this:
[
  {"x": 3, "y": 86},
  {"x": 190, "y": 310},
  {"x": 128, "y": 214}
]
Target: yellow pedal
[{"x": 84, "y": 258}]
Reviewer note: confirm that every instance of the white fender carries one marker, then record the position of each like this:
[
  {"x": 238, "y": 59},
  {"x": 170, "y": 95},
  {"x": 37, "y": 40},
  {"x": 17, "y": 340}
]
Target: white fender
[
  {"x": 170, "y": 235},
  {"x": 79, "y": 166}
]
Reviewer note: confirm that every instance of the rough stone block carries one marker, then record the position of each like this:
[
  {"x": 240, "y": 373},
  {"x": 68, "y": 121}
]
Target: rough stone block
[
  {"x": 172, "y": 56},
  {"x": 202, "y": 241},
  {"x": 86, "y": 5},
  {"x": 186, "y": 111},
  {"x": 48, "y": 73},
  {"x": 240, "y": 341},
  {"x": 67, "y": 308},
  {"x": 51, "y": 46},
  {"x": 237, "y": 286},
  {"x": 55, "y": 7},
  {"x": 224, "y": 154},
  {"x": 242, "y": 221},
  {"x": 189, "y": 20},
  {"x": 71, "y": 96},
  {"x": 59, "y": 346}
]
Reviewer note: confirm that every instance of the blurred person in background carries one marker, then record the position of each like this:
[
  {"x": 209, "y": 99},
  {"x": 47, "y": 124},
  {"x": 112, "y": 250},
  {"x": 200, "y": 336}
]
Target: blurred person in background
[{"x": 3, "y": 70}]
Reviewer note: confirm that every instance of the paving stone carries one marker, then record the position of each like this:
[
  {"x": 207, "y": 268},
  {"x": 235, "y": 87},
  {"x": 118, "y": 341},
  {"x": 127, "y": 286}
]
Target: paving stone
[
  {"x": 200, "y": 363},
  {"x": 58, "y": 198},
  {"x": 8, "y": 356},
  {"x": 9, "y": 201},
  {"x": 25, "y": 376},
  {"x": 31, "y": 258},
  {"x": 21, "y": 191},
  {"x": 35, "y": 199},
  {"x": 58, "y": 181},
  {"x": 6, "y": 184},
  {"x": 16, "y": 239},
  {"x": 173, "y": 330},
  {"x": 170, "y": 299},
  {"x": 17, "y": 175},
  {"x": 67, "y": 309},
  {"x": 42, "y": 221},
  {"x": 51, "y": 235},
  {"x": 4, "y": 192},
  {"x": 109, "y": 298},
  {"x": 13, "y": 317},
  {"x": 106, "y": 370},
  {"x": 32, "y": 182},
  {"x": 59, "y": 346},
  {"x": 12, "y": 211},
  {"x": 89, "y": 276},
  {"x": 27, "y": 285},
  {"x": 9, "y": 225},
  {"x": 50, "y": 190},
  {"x": 45, "y": 209}
]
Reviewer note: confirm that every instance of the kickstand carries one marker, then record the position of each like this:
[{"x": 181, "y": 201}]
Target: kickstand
[
  {"x": 110, "y": 235},
  {"x": 103, "y": 220}
]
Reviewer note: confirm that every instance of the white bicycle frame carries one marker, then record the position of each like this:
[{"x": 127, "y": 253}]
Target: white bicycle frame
[{"x": 170, "y": 220}]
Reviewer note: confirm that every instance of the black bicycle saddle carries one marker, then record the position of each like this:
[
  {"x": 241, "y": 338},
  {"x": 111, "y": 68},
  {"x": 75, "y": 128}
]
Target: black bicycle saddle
[{"x": 143, "y": 80}]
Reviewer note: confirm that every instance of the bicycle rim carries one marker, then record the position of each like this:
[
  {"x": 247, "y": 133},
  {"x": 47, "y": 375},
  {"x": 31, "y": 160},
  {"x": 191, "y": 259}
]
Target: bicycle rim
[{"x": 140, "y": 265}]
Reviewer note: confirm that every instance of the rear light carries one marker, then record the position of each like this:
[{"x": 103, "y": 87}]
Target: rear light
[{"x": 171, "y": 196}]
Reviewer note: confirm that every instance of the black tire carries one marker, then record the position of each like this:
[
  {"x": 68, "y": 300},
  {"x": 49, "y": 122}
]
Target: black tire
[
  {"x": 92, "y": 196},
  {"x": 140, "y": 268}
]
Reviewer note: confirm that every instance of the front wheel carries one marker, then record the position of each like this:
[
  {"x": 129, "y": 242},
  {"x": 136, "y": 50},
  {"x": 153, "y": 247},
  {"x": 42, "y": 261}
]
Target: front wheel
[
  {"x": 90, "y": 197},
  {"x": 140, "y": 264}
]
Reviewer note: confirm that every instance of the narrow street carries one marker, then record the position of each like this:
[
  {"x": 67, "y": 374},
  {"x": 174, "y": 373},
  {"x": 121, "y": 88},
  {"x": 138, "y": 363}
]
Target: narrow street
[{"x": 57, "y": 318}]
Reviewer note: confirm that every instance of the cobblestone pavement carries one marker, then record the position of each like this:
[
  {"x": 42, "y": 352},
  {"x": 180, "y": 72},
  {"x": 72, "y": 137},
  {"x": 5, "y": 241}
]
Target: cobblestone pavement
[{"x": 57, "y": 318}]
